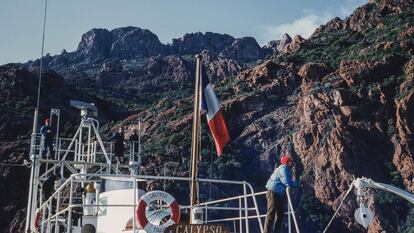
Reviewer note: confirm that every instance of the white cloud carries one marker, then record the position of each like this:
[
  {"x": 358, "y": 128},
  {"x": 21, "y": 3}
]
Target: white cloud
[
  {"x": 306, "y": 24},
  {"x": 303, "y": 26},
  {"x": 349, "y": 6}
]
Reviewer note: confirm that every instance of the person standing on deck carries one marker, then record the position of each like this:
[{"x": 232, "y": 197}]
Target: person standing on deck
[
  {"x": 46, "y": 142},
  {"x": 119, "y": 141},
  {"x": 280, "y": 179},
  {"x": 133, "y": 141}
]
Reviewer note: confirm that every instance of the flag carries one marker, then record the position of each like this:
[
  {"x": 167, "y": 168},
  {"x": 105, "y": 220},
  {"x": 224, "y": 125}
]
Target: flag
[{"x": 215, "y": 118}]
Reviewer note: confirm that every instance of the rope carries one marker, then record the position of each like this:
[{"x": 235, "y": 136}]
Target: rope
[{"x": 339, "y": 207}]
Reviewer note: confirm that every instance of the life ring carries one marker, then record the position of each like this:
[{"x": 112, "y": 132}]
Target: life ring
[
  {"x": 150, "y": 197},
  {"x": 38, "y": 218}
]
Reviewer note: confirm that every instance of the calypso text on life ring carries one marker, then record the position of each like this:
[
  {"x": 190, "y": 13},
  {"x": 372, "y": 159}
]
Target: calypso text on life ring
[{"x": 154, "y": 196}]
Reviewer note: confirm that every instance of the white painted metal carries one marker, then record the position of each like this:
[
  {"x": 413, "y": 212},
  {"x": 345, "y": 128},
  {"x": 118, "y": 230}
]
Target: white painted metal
[{"x": 113, "y": 218}]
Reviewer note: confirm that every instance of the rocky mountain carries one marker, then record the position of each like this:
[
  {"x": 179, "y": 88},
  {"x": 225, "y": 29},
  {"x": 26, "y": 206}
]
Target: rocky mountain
[
  {"x": 340, "y": 102},
  {"x": 98, "y": 45}
]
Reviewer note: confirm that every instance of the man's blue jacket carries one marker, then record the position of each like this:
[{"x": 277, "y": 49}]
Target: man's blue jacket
[{"x": 280, "y": 179}]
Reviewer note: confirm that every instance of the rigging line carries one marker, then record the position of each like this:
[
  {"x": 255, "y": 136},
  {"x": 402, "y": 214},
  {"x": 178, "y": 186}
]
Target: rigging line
[
  {"x": 339, "y": 207},
  {"x": 41, "y": 58}
]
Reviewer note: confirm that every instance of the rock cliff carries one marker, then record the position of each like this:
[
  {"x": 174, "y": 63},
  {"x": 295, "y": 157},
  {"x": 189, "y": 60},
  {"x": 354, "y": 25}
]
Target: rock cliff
[{"x": 340, "y": 103}]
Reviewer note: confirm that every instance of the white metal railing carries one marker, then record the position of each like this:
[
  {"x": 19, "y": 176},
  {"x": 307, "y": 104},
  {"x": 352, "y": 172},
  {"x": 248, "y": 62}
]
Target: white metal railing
[
  {"x": 240, "y": 218},
  {"x": 64, "y": 206},
  {"x": 84, "y": 152},
  {"x": 58, "y": 209}
]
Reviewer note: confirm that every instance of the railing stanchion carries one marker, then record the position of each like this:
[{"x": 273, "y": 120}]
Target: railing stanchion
[
  {"x": 43, "y": 220},
  {"x": 49, "y": 215},
  {"x": 206, "y": 211},
  {"x": 70, "y": 206},
  {"x": 246, "y": 211},
  {"x": 240, "y": 216},
  {"x": 135, "y": 204},
  {"x": 57, "y": 211},
  {"x": 289, "y": 220},
  {"x": 292, "y": 211}
]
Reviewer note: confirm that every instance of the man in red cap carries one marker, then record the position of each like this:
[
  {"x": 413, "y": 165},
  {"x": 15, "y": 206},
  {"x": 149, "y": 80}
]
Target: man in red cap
[
  {"x": 47, "y": 138},
  {"x": 280, "y": 179}
]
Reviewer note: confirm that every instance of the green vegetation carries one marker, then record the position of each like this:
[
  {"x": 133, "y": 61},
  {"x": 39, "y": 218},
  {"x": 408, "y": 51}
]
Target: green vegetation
[
  {"x": 407, "y": 225},
  {"x": 314, "y": 213},
  {"x": 335, "y": 46}
]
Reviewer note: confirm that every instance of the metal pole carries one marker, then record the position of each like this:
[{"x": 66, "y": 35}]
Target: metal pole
[
  {"x": 139, "y": 142},
  {"x": 70, "y": 206},
  {"x": 29, "y": 219},
  {"x": 57, "y": 131},
  {"x": 89, "y": 158},
  {"x": 240, "y": 216},
  {"x": 246, "y": 212},
  {"x": 80, "y": 151},
  {"x": 49, "y": 214},
  {"x": 164, "y": 180},
  {"x": 43, "y": 219},
  {"x": 135, "y": 203},
  {"x": 33, "y": 191},
  {"x": 57, "y": 212},
  {"x": 195, "y": 134},
  {"x": 289, "y": 223},
  {"x": 292, "y": 211},
  {"x": 206, "y": 216},
  {"x": 32, "y": 175}
]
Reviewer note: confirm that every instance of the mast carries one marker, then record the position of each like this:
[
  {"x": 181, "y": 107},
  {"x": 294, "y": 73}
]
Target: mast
[
  {"x": 34, "y": 174},
  {"x": 195, "y": 137}
]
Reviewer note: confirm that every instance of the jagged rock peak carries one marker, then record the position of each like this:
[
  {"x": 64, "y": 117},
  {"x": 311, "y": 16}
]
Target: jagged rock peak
[
  {"x": 131, "y": 42},
  {"x": 284, "y": 42},
  {"x": 197, "y": 42},
  {"x": 243, "y": 49},
  {"x": 125, "y": 42},
  {"x": 272, "y": 45},
  {"x": 95, "y": 44}
]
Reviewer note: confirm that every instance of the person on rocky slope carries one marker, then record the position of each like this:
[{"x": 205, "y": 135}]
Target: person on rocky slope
[{"x": 280, "y": 179}]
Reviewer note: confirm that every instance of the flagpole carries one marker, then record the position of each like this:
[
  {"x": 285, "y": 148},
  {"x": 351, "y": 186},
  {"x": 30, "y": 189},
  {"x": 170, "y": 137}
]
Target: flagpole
[{"x": 195, "y": 138}]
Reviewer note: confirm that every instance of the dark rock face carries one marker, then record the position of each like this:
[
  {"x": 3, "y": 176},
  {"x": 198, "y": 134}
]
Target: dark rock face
[
  {"x": 271, "y": 47},
  {"x": 133, "y": 42},
  {"x": 403, "y": 156},
  {"x": 128, "y": 43},
  {"x": 197, "y": 42},
  {"x": 244, "y": 49},
  {"x": 95, "y": 45}
]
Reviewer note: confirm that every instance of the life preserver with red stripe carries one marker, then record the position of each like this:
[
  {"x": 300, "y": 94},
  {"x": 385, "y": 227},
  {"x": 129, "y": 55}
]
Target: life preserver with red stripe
[
  {"x": 150, "y": 197},
  {"x": 38, "y": 218}
]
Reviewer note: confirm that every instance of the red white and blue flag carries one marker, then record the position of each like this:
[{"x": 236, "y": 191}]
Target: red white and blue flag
[{"x": 216, "y": 122}]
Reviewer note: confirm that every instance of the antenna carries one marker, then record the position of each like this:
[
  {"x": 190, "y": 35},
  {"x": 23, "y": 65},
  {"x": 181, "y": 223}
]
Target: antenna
[{"x": 87, "y": 109}]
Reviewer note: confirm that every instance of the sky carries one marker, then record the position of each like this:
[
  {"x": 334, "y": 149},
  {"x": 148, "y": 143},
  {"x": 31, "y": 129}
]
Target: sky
[{"x": 21, "y": 21}]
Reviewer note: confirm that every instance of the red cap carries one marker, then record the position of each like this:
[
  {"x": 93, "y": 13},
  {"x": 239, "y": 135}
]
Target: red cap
[{"x": 284, "y": 159}]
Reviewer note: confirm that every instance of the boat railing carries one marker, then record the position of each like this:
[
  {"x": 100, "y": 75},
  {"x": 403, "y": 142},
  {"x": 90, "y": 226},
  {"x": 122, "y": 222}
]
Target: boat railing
[
  {"x": 90, "y": 152},
  {"x": 243, "y": 211},
  {"x": 59, "y": 208}
]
